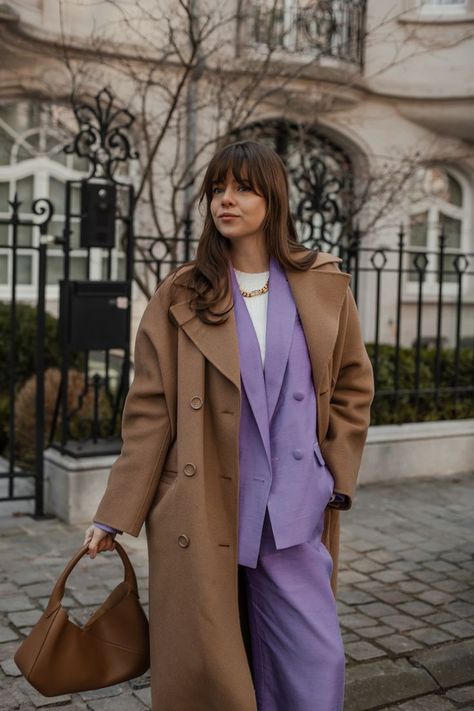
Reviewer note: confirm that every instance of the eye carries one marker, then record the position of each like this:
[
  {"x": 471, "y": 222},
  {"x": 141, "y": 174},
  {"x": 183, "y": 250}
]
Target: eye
[
  {"x": 214, "y": 189},
  {"x": 245, "y": 187}
]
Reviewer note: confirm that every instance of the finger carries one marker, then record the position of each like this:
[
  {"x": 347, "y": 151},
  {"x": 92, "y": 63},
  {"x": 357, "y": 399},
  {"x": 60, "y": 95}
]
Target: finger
[
  {"x": 93, "y": 548},
  {"x": 104, "y": 545},
  {"x": 88, "y": 533}
]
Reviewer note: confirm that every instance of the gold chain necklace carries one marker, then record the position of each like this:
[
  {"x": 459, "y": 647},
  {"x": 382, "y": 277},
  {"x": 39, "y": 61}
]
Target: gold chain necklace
[{"x": 256, "y": 292}]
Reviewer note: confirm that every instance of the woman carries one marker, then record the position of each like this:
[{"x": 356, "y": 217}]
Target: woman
[{"x": 243, "y": 432}]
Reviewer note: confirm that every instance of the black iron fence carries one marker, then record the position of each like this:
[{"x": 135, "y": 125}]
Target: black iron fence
[
  {"x": 417, "y": 310},
  {"x": 24, "y": 481}
]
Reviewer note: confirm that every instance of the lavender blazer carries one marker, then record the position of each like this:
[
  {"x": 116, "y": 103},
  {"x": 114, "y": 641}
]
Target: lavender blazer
[{"x": 281, "y": 464}]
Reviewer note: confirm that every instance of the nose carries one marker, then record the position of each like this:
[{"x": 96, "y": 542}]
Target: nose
[{"x": 227, "y": 197}]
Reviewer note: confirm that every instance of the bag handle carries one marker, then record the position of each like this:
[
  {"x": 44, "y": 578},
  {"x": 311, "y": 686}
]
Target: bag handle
[{"x": 58, "y": 590}]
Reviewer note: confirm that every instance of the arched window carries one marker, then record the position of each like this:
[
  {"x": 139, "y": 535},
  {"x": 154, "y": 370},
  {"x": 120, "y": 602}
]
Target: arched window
[
  {"x": 321, "y": 179},
  {"x": 33, "y": 165},
  {"x": 437, "y": 205}
]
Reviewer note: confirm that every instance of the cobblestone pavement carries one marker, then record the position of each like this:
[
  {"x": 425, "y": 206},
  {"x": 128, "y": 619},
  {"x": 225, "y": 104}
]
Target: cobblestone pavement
[{"x": 405, "y": 599}]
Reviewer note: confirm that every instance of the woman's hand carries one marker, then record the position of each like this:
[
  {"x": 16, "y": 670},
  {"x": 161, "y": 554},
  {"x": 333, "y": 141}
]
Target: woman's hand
[{"x": 98, "y": 540}]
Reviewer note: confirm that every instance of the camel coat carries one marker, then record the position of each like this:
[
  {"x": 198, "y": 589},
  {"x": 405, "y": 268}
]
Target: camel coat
[{"x": 178, "y": 473}]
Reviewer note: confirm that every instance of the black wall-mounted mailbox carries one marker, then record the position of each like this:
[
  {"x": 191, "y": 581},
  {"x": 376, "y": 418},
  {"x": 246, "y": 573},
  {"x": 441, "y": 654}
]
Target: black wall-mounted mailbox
[{"x": 94, "y": 315}]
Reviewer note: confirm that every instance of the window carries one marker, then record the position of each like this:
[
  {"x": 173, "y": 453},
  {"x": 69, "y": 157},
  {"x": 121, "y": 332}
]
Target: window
[
  {"x": 33, "y": 165},
  {"x": 437, "y": 205},
  {"x": 443, "y": 7},
  {"x": 332, "y": 29}
]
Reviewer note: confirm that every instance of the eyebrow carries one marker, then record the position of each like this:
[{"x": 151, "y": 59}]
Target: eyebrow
[{"x": 219, "y": 182}]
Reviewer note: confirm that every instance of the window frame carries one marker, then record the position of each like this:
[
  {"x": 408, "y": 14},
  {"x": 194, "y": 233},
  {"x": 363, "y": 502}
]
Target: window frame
[
  {"x": 413, "y": 11},
  {"x": 434, "y": 8},
  {"x": 434, "y": 207}
]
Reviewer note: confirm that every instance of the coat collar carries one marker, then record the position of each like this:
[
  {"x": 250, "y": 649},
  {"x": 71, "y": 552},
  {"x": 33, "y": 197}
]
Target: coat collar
[{"x": 318, "y": 296}]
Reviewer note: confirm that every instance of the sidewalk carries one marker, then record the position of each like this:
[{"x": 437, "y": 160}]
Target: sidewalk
[{"x": 405, "y": 599}]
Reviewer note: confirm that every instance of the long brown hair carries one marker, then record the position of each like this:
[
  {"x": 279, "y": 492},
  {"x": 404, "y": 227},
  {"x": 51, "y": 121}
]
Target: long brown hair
[{"x": 257, "y": 165}]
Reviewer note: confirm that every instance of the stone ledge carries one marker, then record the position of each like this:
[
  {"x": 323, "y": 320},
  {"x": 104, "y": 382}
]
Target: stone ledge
[{"x": 417, "y": 450}]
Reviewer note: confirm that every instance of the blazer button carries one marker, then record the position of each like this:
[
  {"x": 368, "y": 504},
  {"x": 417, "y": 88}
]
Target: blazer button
[
  {"x": 196, "y": 402},
  {"x": 298, "y": 454},
  {"x": 183, "y": 540},
  {"x": 298, "y": 395},
  {"x": 189, "y": 469}
]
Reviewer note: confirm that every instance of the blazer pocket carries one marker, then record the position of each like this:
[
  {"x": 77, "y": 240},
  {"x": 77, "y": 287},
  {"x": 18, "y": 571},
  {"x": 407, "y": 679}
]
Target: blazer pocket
[{"x": 318, "y": 454}]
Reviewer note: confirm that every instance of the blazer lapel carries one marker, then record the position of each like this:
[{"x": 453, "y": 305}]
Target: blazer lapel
[
  {"x": 281, "y": 318},
  {"x": 251, "y": 368}
]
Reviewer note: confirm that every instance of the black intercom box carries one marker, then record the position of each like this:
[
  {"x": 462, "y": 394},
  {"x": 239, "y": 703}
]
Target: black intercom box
[{"x": 98, "y": 207}]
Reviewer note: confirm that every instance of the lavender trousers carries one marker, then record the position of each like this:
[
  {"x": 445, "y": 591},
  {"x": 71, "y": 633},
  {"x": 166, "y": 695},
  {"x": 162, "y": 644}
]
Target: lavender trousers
[{"x": 294, "y": 643}]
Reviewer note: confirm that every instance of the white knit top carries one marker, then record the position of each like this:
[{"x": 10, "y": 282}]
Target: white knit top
[{"x": 256, "y": 305}]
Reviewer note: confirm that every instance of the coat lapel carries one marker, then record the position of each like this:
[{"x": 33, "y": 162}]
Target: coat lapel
[
  {"x": 318, "y": 296},
  {"x": 281, "y": 317},
  {"x": 218, "y": 344}
]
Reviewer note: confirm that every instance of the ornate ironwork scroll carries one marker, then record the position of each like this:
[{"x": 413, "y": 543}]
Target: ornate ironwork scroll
[
  {"x": 321, "y": 179},
  {"x": 103, "y": 135}
]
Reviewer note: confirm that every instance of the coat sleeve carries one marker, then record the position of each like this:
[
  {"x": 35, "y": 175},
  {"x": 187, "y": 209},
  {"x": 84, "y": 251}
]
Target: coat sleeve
[
  {"x": 349, "y": 408},
  {"x": 146, "y": 429}
]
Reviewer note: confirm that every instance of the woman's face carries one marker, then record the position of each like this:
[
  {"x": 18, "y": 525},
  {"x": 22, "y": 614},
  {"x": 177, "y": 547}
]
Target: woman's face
[{"x": 237, "y": 211}]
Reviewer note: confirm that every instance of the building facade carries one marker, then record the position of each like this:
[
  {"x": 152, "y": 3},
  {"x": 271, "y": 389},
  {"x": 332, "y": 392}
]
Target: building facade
[{"x": 369, "y": 103}]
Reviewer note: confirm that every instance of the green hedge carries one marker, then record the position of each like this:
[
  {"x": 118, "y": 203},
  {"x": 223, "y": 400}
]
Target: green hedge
[
  {"x": 25, "y": 344},
  {"x": 391, "y": 409},
  {"x": 386, "y": 409},
  {"x": 25, "y": 354}
]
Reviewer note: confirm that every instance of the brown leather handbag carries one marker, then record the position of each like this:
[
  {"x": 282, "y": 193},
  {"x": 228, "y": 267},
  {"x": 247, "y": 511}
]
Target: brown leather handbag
[{"x": 59, "y": 657}]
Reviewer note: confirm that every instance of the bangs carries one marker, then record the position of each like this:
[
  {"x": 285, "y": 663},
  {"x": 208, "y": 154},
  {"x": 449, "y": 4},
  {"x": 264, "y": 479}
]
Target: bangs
[{"x": 243, "y": 167}]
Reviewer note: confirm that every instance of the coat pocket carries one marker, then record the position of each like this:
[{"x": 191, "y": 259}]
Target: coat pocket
[
  {"x": 325, "y": 383},
  {"x": 168, "y": 475},
  {"x": 166, "y": 486}
]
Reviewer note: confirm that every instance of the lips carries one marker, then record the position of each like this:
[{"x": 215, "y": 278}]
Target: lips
[{"x": 227, "y": 214}]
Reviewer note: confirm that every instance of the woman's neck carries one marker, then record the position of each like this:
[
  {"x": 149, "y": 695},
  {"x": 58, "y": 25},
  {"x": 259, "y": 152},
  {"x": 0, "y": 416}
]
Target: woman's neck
[{"x": 250, "y": 263}]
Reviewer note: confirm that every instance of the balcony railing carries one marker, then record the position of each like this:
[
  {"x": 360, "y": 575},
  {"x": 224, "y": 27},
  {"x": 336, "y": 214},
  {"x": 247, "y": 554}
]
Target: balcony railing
[{"x": 331, "y": 28}]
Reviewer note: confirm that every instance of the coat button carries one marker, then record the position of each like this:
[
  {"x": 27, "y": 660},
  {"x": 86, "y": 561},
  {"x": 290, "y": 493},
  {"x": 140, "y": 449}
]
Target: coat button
[
  {"x": 298, "y": 395},
  {"x": 189, "y": 469},
  {"x": 183, "y": 540},
  {"x": 298, "y": 454},
  {"x": 196, "y": 402}
]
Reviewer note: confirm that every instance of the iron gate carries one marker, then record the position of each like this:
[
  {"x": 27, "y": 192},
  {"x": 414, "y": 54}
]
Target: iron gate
[{"x": 91, "y": 339}]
